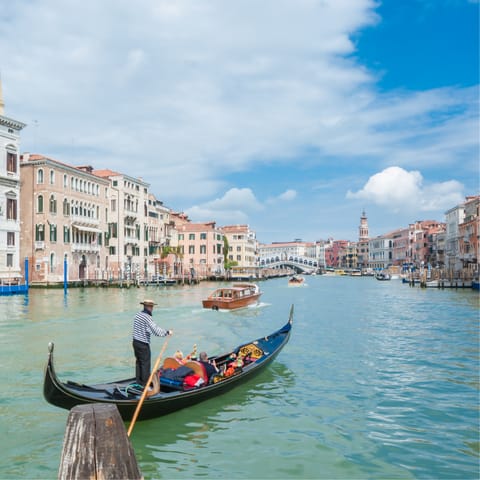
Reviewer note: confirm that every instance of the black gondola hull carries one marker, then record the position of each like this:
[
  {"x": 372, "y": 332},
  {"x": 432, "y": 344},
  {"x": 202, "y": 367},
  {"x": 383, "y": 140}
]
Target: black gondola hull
[{"x": 69, "y": 394}]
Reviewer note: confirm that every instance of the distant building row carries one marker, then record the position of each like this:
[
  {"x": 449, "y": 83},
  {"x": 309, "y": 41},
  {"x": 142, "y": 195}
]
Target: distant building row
[{"x": 81, "y": 223}]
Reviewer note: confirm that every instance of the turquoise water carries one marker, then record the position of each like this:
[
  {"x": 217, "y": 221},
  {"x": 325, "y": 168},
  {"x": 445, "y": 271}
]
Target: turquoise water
[{"x": 379, "y": 380}]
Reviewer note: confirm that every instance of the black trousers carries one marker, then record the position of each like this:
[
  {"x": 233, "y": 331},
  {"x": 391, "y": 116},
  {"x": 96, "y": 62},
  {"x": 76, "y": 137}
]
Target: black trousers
[{"x": 143, "y": 360}]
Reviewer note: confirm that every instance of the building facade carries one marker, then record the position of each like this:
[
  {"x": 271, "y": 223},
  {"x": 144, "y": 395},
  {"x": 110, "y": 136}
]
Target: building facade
[
  {"x": 11, "y": 260},
  {"x": 242, "y": 245},
  {"x": 469, "y": 234},
  {"x": 201, "y": 246},
  {"x": 63, "y": 221},
  {"x": 128, "y": 225}
]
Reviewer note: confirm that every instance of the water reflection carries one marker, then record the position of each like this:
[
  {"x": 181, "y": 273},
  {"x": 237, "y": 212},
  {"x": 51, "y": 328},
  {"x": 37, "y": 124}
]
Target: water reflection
[{"x": 162, "y": 442}]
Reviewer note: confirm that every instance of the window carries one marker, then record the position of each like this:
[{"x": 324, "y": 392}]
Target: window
[
  {"x": 11, "y": 209},
  {"x": 53, "y": 205},
  {"x": 39, "y": 233},
  {"x": 11, "y": 162},
  {"x": 191, "y": 236},
  {"x": 66, "y": 207},
  {"x": 114, "y": 204},
  {"x": 40, "y": 176},
  {"x": 52, "y": 177},
  {"x": 112, "y": 230},
  {"x": 11, "y": 239},
  {"x": 180, "y": 236},
  {"x": 9, "y": 259},
  {"x": 65, "y": 181},
  {"x": 66, "y": 235},
  {"x": 40, "y": 204},
  {"x": 203, "y": 236},
  {"x": 191, "y": 249},
  {"x": 53, "y": 233},
  {"x": 203, "y": 249}
]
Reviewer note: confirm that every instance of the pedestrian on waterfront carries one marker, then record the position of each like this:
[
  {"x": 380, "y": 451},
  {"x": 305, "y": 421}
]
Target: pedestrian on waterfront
[{"x": 143, "y": 328}]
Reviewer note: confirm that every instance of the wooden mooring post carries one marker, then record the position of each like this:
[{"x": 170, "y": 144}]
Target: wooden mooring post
[{"x": 96, "y": 445}]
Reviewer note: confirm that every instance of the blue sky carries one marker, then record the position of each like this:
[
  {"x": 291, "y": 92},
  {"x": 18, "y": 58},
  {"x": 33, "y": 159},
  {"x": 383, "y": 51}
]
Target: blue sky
[{"x": 292, "y": 116}]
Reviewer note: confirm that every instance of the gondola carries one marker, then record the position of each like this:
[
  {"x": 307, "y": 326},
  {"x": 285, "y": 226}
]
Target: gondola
[{"x": 173, "y": 394}]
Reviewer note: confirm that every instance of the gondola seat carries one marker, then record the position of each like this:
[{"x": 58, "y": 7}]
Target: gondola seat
[
  {"x": 171, "y": 362},
  {"x": 198, "y": 369}
]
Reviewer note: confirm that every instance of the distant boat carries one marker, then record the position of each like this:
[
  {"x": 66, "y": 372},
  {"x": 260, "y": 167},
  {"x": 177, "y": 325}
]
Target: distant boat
[
  {"x": 296, "y": 281},
  {"x": 239, "y": 295},
  {"x": 159, "y": 280},
  {"x": 383, "y": 276}
]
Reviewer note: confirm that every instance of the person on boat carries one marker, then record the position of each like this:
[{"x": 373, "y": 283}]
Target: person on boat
[
  {"x": 143, "y": 328},
  {"x": 210, "y": 367}
]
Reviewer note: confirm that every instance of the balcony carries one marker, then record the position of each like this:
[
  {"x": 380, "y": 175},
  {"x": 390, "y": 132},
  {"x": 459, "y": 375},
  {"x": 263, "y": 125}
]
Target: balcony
[
  {"x": 87, "y": 221},
  {"x": 85, "y": 247},
  {"x": 39, "y": 245}
]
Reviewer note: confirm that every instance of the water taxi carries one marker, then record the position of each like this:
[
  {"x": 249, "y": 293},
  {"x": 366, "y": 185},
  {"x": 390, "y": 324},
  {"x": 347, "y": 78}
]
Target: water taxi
[{"x": 239, "y": 295}]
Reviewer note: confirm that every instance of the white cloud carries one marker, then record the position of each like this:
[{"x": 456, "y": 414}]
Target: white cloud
[
  {"x": 189, "y": 94},
  {"x": 399, "y": 189},
  {"x": 286, "y": 196},
  {"x": 234, "y": 207}
]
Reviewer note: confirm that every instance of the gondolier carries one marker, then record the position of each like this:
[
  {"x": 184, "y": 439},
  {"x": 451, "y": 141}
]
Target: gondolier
[{"x": 143, "y": 328}]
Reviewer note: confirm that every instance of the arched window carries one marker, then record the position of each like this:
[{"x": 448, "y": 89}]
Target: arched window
[
  {"x": 52, "y": 262},
  {"x": 65, "y": 181},
  {"x": 52, "y": 177},
  {"x": 66, "y": 207},
  {"x": 40, "y": 204},
  {"x": 53, "y": 204},
  {"x": 40, "y": 176}
]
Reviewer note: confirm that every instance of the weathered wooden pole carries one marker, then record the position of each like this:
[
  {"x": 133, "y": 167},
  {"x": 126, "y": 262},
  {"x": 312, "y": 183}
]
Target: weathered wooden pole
[{"x": 96, "y": 445}]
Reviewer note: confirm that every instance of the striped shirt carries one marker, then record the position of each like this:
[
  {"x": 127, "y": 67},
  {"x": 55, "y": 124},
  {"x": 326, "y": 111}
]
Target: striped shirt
[{"x": 144, "y": 326}]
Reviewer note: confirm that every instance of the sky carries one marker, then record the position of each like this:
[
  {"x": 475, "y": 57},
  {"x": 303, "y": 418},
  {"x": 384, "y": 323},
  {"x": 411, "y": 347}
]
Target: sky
[{"x": 291, "y": 116}]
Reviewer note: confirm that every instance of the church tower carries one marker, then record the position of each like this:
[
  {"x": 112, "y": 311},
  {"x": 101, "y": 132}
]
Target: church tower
[{"x": 363, "y": 228}]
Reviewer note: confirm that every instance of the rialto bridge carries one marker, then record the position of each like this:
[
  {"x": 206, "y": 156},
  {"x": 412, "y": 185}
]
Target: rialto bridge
[{"x": 297, "y": 263}]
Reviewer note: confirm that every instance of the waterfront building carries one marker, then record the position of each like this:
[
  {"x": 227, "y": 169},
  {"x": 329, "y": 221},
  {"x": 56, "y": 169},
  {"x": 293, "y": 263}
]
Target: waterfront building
[
  {"x": 242, "y": 245},
  {"x": 63, "y": 219},
  {"x": 11, "y": 260},
  {"x": 401, "y": 248},
  {"x": 127, "y": 225},
  {"x": 335, "y": 253},
  {"x": 201, "y": 247},
  {"x": 380, "y": 251},
  {"x": 453, "y": 218},
  {"x": 320, "y": 246},
  {"x": 469, "y": 234},
  {"x": 163, "y": 255}
]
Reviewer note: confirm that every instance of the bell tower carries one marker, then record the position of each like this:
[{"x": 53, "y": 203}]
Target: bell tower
[{"x": 363, "y": 228}]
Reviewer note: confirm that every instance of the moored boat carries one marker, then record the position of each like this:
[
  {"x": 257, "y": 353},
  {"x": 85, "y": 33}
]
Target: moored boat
[
  {"x": 239, "y": 295},
  {"x": 173, "y": 395}
]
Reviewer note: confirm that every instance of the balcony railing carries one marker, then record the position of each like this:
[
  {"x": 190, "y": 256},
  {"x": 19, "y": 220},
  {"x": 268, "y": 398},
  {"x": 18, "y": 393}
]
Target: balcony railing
[{"x": 85, "y": 247}]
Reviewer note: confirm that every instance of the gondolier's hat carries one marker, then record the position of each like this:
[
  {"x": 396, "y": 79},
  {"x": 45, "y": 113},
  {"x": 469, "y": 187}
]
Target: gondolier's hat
[{"x": 148, "y": 302}]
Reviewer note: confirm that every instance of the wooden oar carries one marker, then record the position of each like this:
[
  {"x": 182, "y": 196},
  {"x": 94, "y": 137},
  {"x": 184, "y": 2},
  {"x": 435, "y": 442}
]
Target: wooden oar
[{"x": 145, "y": 390}]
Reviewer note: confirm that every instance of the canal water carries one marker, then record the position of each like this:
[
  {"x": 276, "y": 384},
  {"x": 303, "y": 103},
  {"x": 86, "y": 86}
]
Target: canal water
[{"x": 379, "y": 380}]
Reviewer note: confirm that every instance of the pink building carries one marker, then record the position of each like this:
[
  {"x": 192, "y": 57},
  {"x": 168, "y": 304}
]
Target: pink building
[{"x": 202, "y": 247}]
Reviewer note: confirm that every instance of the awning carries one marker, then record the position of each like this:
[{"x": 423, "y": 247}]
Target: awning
[{"x": 86, "y": 229}]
